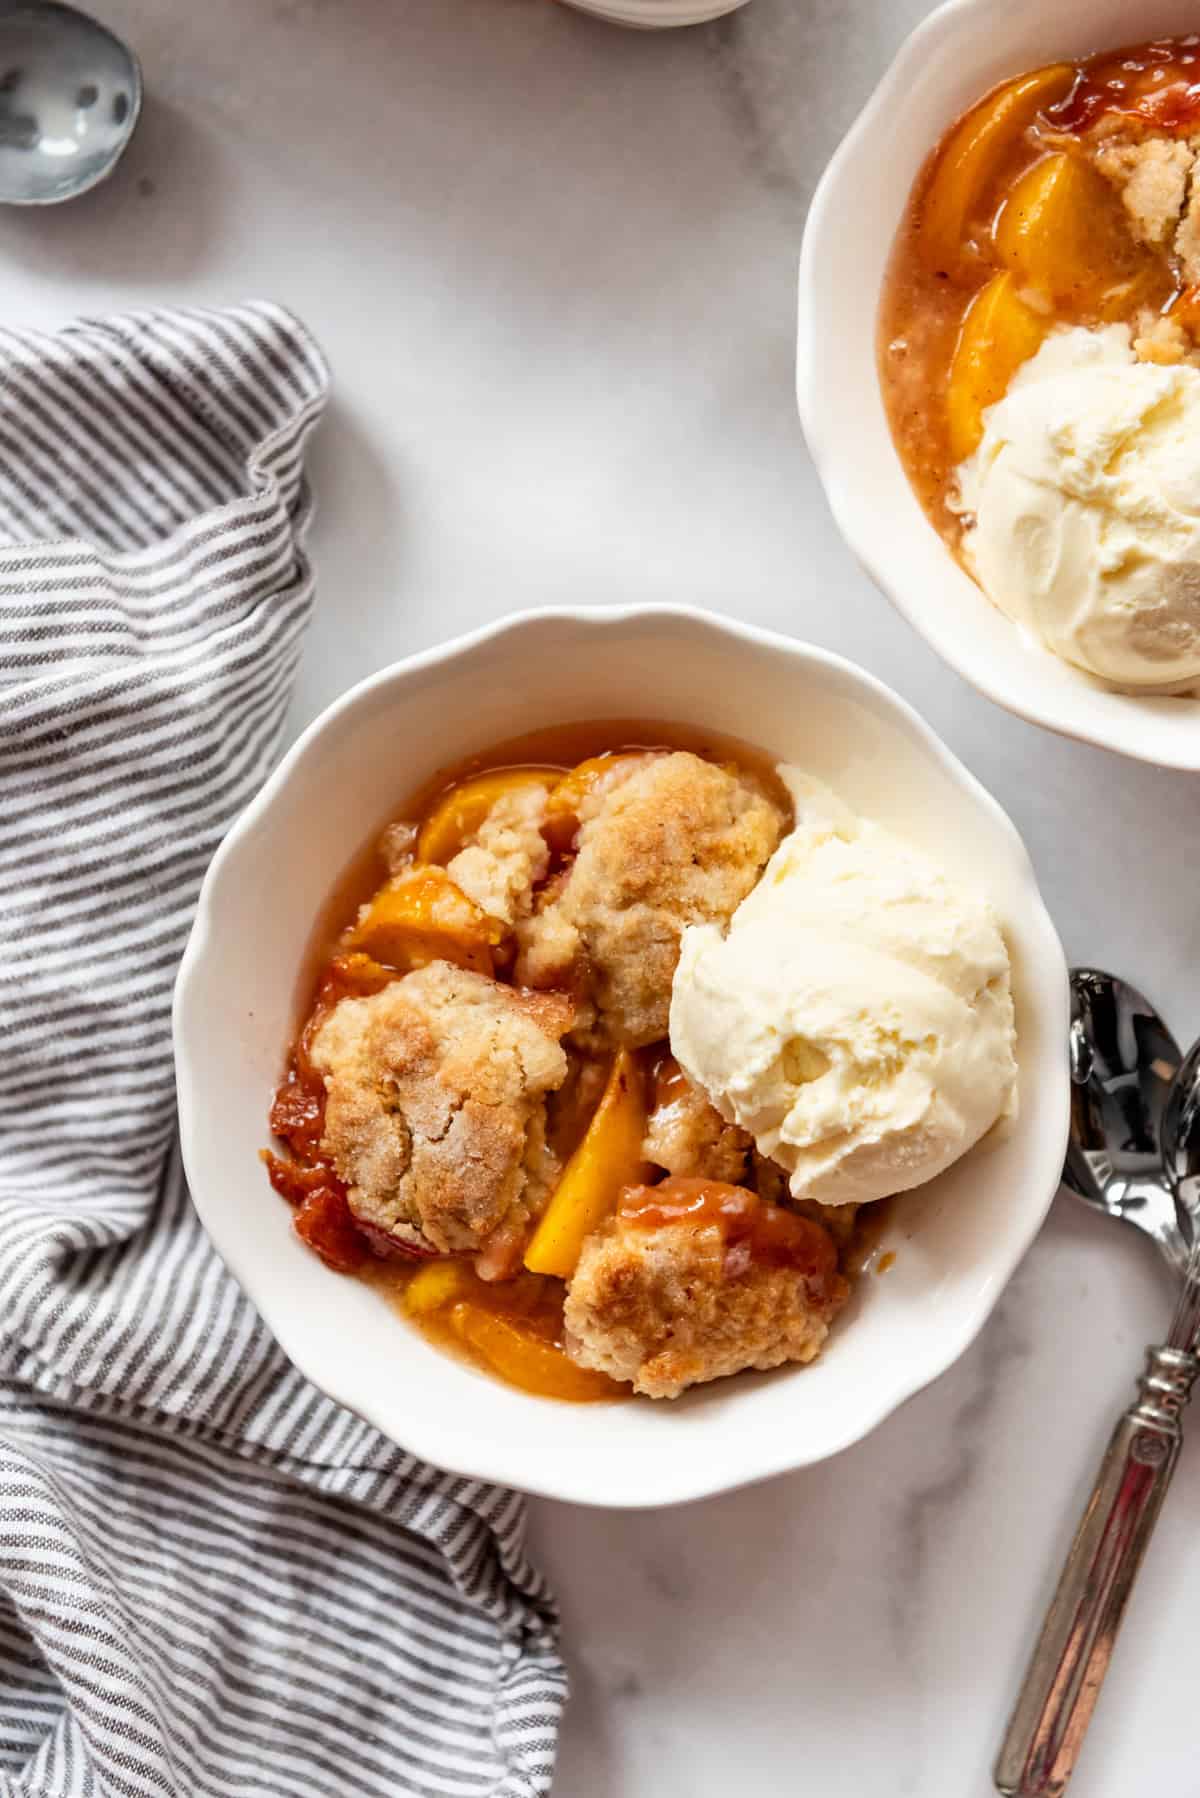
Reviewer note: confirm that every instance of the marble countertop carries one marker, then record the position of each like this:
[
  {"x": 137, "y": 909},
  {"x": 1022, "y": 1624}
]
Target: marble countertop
[{"x": 552, "y": 264}]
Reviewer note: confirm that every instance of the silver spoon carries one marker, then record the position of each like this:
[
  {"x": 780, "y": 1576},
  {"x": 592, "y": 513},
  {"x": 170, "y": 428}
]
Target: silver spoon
[
  {"x": 1123, "y": 1061},
  {"x": 70, "y": 94},
  {"x": 1062, "y": 1683}
]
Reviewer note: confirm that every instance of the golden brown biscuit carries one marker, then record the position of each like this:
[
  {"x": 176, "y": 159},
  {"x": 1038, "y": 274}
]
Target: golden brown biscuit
[
  {"x": 658, "y": 1308},
  {"x": 678, "y": 841},
  {"x": 1156, "y": 179},
  {"x": 435, "y": 1104},
  {"x": 1152, "y": 175},
  {"x": 506, "y": 856}
]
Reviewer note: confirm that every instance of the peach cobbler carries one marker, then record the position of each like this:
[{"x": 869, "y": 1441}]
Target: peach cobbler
[
  {"x": 1040, "y": 356},
  {"x": 484, "y": 1109}
]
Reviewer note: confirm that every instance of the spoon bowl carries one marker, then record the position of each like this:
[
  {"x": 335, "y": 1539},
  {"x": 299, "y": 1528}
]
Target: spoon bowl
[
  {"x": 1124, "y": 1062},
  {"x": 1181, "y": 1137},
  {"x": 70, "y": 94}
]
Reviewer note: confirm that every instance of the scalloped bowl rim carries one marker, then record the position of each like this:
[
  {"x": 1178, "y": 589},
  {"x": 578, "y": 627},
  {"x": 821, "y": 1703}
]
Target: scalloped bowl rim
[
  {"x": 985, "y": 648},
  {"x": 443, "y": 1444}
]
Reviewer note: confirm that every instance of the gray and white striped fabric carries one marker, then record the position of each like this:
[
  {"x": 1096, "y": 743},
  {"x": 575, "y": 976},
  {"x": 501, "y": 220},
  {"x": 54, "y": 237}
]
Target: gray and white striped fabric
[{"x": 212, "y": 1580}]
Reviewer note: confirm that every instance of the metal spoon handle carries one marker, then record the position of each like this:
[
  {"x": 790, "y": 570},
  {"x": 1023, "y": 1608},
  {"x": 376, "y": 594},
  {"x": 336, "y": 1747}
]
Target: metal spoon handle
[{"x": 1062, "y": 1683}]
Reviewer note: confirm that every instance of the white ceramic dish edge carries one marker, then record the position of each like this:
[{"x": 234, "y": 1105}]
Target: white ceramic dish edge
[
  {"x": 963, "y": 48},
  {"x": 496, "y": 1459},
  {"x": 656, "y": 15}
]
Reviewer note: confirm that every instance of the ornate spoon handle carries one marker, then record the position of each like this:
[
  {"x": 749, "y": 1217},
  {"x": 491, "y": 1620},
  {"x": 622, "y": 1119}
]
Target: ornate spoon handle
[{"x": 1064, "y": 1676}]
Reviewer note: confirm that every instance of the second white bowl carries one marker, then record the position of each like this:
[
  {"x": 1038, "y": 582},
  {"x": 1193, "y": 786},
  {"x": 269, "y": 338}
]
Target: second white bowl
[{"x": 951, "y": 60}]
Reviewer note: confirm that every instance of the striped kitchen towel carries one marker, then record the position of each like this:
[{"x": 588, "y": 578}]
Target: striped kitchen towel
[{"x": 212, "y": 1579}]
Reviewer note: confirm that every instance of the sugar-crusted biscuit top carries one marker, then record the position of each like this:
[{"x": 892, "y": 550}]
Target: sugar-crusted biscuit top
[
  {"x": 435, "y": 1104},
  {"x": 675, "y": 841},
  {"x": 659, "y": 1308}
]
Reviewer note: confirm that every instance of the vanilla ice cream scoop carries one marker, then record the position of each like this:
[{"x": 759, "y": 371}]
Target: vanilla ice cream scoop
[
  {"x": 1082, "y": 509},
  {"x": 857, "y": 1017}
]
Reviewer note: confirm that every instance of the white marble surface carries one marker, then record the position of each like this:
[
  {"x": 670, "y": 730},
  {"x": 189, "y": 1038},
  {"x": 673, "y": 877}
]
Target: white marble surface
[{"x": 552, "y": 265}]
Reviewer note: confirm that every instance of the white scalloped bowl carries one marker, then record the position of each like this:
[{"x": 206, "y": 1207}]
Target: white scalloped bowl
[
  {"x": 956, "y": 1241},
  {"x": 952, "y": 59}
]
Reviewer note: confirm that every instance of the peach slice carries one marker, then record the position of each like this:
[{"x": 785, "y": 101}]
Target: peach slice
[
  {"x": 608, "y": 1159},
  {"x": 999, "y": 332},
  {"x": 438, "y": 1285},
  {"x": 1186, "y": 312},
  {"x": 457, "y": 816},
  {"x": 972, "y": 159},
  {"x": 444, "y": 1282},
  {"x": 422, "y": 916},
  {"x": 356, "y": 975},
  {"x": 1151, "y": 287},
  {"x": 1062, "y": 231},
  {"x": 323, "y": 1220},
  {"x": 527, "y": 1360}
]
